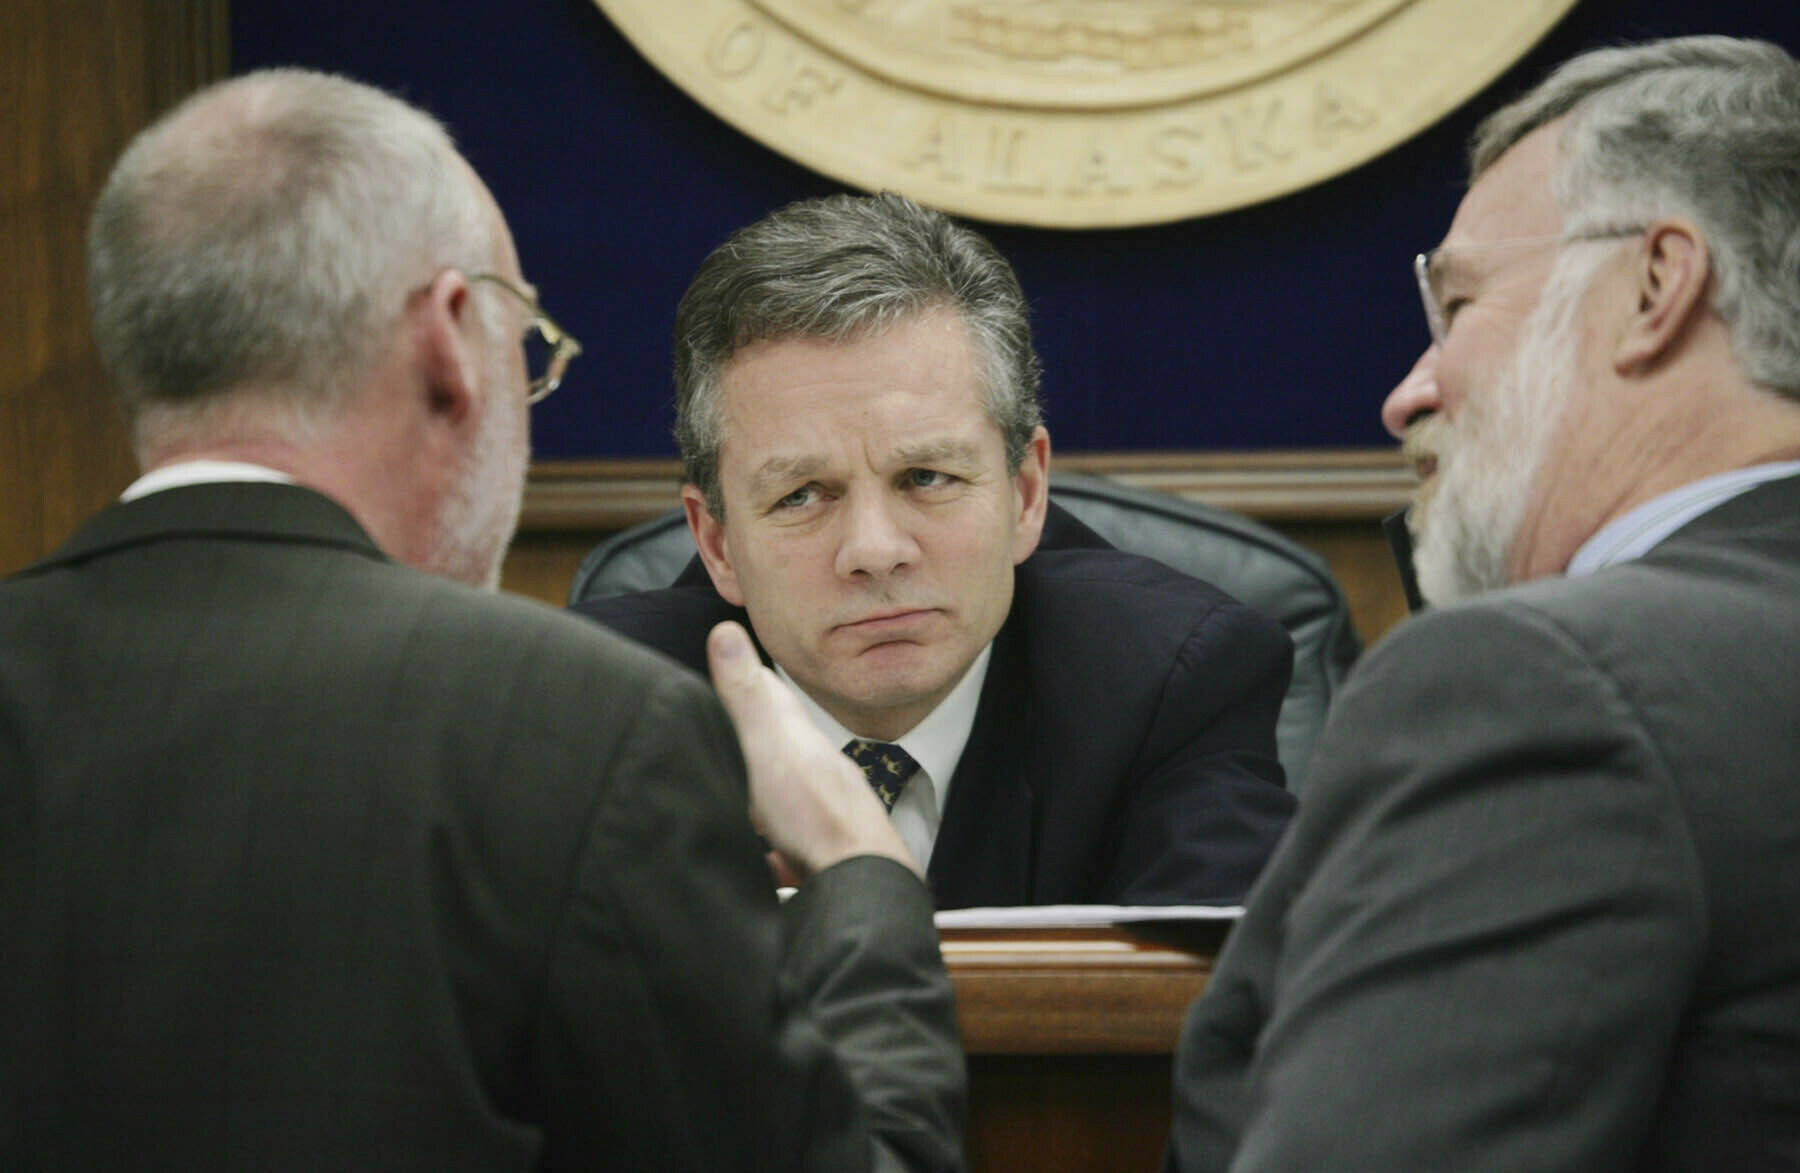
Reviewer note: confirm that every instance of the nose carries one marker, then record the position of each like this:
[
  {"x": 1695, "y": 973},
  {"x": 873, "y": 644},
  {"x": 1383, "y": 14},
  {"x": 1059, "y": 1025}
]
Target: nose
[
  {"x": 1416, "y": 395},
  {"x": 875, "y": 539}
]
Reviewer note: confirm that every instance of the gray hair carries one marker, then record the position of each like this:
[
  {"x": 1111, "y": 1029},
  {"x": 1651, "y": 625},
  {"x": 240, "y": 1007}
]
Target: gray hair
[
  {"x": 265, "y": 235},
  {"x": 836, "y": 268},
  {"x": 1702, "y": 127}
]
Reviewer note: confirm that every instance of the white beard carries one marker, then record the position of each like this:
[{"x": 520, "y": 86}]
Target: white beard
[{"x": 1465, "y": 524}]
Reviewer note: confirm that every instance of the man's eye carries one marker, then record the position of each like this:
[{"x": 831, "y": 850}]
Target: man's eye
[
  {"x": 926, "y": 478},
  {"x": 1452, "y": 308},
  {"x": 800, "y": 497}
]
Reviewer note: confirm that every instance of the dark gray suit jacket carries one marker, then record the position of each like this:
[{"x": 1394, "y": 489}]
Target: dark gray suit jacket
[
  {"x": 311, "y": 861},
  {"x": 1539, "y": 908}
]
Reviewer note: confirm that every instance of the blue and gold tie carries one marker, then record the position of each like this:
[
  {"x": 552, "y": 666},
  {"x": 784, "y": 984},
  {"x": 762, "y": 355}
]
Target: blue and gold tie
[{"x": 885, "y": 765}]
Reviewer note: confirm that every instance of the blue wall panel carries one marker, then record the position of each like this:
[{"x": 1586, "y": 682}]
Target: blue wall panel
[{"x": 1275, "y": 326}]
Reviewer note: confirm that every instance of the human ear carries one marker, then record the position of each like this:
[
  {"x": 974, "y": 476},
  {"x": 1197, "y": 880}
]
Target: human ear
[
  {"x": 1671, "y": 277},
  {"x": 710, "y": 540},
  {"x": 1031, "y": 494},
  {"x": 443, "y": 320}
]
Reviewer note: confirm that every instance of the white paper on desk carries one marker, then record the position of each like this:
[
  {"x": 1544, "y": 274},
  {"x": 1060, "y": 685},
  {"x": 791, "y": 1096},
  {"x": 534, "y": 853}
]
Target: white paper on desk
[{"x": 1080, "y": 916}]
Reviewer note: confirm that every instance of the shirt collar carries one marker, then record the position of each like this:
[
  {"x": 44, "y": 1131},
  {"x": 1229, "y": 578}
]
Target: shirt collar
[
  {"x": 1637, "y": 531},
  {"x": 200, "y": 472},
  {"x": 937, "y": 742}
]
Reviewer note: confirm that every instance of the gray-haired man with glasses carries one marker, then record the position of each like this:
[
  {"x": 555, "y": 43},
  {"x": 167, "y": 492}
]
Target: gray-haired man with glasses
[
  {"x": 309, "y": 860},
  {"x": 1536, "y": 912}
]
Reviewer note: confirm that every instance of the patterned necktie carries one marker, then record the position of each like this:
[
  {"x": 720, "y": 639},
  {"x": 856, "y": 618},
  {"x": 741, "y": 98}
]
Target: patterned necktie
[{"x": 886, "y": 766}]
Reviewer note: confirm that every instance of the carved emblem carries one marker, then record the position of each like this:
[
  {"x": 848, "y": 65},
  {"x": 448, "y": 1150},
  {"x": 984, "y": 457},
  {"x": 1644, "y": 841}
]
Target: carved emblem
[{"x": 1083, "y": 113}]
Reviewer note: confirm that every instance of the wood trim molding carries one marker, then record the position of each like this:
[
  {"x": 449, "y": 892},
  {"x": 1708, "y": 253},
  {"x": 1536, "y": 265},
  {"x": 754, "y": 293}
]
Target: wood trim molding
[
  {"x": 598, "y": 494},
  {"x": 1349, "y": 484},
  {"x": 1076, "y": 991}
]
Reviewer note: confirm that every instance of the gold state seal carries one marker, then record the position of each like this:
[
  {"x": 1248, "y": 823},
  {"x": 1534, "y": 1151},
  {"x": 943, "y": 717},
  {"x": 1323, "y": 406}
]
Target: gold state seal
[{"x": 1083, "y": 113}]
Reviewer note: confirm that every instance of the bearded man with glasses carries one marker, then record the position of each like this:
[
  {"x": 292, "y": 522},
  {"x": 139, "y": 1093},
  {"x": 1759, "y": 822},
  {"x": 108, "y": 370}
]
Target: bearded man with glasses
[{"x": 1536, "y": 912}]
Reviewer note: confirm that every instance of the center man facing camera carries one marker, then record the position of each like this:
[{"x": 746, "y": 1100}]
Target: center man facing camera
[{"x": 1051, "y": 720}]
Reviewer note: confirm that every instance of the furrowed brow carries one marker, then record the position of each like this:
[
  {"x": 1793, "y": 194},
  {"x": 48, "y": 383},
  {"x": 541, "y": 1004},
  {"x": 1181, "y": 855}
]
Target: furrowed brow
[
  {"x": 782, "y": 470},
  {"x": 938, "y": 452}
]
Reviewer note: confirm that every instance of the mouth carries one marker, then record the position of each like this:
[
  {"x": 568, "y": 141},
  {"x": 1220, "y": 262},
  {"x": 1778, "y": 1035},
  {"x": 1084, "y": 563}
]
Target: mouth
[
  {"x": 1418, "y": 450},
  {"x": 893, "y": 623}
]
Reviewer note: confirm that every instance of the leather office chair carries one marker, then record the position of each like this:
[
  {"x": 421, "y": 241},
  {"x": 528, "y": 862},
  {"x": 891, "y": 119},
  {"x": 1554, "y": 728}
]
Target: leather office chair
[{"x": 1250, "y": 561}]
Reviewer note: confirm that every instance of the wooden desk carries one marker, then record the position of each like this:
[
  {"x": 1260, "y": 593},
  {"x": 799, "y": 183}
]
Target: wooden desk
[{"x": 1070, "y": 1035}]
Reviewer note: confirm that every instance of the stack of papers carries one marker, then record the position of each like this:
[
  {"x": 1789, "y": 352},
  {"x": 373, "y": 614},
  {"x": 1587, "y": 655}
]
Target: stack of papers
[{"x": 1082, "y": 916}]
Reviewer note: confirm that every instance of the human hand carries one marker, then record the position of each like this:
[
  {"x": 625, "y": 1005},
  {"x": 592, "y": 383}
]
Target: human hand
[{"x": 806, "y": 798}]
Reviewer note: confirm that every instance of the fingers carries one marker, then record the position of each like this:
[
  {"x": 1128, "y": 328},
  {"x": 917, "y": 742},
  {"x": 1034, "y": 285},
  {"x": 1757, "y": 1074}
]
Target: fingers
[
  {"x": 736, "y": 678},
  {"x": 806, "y": 797}
]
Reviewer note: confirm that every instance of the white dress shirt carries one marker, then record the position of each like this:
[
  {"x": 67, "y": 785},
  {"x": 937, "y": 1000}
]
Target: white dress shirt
[
  {"x": 936, "y": 743},
  {"x": 200, "y": 472},
  {"x": 1636, "y": 532}
]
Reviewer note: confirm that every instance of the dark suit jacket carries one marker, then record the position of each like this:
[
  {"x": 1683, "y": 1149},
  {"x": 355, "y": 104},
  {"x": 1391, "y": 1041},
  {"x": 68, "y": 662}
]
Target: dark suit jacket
[
  {"x": 1124, "y": 745},
  {"x": 310, "y": 861},
  {"x": 1539, "y": 908}
]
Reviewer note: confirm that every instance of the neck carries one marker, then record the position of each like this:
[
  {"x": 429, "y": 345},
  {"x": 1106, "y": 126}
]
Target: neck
[
  {"x": 1659, "y": 452},
  {"x": 885, "y": 724},
  {"x": 349, "y": 457}
]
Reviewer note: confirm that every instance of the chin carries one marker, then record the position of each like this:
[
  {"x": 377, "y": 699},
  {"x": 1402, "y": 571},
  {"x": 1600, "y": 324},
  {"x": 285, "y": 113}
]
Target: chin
[{"x": 882, "y": 688}]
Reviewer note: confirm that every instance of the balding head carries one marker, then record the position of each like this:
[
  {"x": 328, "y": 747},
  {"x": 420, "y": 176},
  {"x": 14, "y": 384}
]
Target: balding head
[
  {"x": 285, "y": 271},
  {"x": 252, "y": 251}
]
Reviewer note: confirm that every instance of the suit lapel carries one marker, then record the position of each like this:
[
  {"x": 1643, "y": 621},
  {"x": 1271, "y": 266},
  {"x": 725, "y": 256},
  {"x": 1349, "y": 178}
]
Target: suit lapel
[{"x": 987, "y": 840}]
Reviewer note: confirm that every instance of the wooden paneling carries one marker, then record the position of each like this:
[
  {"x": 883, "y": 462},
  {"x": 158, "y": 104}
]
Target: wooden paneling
[
  {"x": 1068, "y": 1113},
  {"x": 1070, "y": 1035},
  {"x": 1074, "y": 991},
  {"x": 77, "y": 79}
]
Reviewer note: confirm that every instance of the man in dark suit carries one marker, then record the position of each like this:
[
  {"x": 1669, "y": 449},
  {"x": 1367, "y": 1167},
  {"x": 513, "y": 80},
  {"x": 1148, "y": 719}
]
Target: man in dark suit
[
  {"x": 310, "y": 860},
  {"x": 1058, "y": 722},
  {"x": 1538, "y": 909}
]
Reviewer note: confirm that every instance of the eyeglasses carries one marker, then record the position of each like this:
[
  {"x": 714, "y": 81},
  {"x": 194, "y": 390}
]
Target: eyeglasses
[
  {"x": 548, "y": 347},
  {"x": 1425, "y": 267}
]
